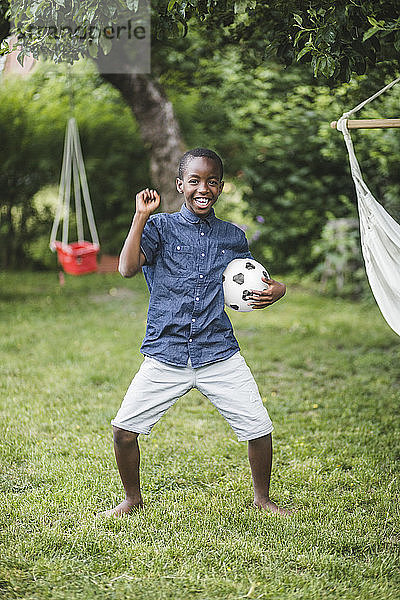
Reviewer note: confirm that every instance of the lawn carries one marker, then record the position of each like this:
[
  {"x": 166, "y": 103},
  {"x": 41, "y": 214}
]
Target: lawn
[{"x": 329, "y": 373}]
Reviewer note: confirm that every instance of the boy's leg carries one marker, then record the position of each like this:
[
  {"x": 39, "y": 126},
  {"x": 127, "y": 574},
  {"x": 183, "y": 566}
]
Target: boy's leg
[
  {"x": 154, "y": 389},
  {"x": 230, "y": 386},
  {"x": 127, "y": 455},
  {"x": 260, "y": 459}
]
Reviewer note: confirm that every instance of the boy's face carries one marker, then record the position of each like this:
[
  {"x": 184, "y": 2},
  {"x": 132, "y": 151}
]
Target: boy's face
[{"x": 201, "y": 185}]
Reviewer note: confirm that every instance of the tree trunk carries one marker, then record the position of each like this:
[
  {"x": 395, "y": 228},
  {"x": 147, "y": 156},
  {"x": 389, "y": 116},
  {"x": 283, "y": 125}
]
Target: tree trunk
[
  {"x": 159, "y": 130},
  {"x": 7, "y": 236}
]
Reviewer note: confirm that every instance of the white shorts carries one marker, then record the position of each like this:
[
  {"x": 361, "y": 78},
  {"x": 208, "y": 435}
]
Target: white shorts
[{"x": 228, "y": 384}]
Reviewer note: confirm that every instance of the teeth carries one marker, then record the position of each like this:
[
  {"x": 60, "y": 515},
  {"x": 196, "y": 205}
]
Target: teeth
[{"x": 202, "y": 201}]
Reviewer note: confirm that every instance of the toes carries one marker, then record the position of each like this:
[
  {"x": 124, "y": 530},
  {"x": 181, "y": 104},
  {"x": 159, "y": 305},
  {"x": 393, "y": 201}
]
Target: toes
[{"x": 120, "y": 510}]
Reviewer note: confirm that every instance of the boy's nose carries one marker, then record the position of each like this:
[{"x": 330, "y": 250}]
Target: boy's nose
[{"x": 203, "y": 188}]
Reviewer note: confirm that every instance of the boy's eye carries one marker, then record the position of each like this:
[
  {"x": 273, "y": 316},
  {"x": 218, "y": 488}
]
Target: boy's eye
[{"x": 196, "y": 181}]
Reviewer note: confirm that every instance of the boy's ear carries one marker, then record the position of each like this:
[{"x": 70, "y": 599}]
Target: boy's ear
[
  {"x": 179, "y": 185},
  {"x": 221, "y": 187}
]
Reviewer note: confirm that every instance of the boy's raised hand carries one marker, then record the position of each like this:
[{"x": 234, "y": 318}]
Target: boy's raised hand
[
  {"x": 264, "y": 298},
  {"x": 147, "y": 201}
]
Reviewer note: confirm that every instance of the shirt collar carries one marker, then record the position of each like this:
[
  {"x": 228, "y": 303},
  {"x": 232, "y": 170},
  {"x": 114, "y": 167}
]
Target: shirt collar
[{"x": 192, "y": 218}]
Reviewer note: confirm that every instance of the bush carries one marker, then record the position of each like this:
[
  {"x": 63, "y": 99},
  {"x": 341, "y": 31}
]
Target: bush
[
  {"x": 33, "y": 115},
  {"x": 341, "y": 269},
  {"x": 272, "y": 127}
]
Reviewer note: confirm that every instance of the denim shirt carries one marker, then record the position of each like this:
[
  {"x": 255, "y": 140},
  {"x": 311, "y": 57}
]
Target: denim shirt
[{"x": 185, "y": 259}]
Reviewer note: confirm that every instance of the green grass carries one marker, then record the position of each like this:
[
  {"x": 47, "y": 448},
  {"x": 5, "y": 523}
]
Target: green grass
[{"x": 329, "y": 373}]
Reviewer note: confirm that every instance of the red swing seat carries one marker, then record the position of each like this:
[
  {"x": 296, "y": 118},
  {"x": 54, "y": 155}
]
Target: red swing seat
[{"x": 77, "y": 258}]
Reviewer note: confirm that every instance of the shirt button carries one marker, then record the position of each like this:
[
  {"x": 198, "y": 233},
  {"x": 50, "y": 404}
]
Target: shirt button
[
  {"x": 201, "y": 276},
  {"x": 193, "y": 320},
  {"x": 190, "y": 340},
  {"x": 197, "y": 298},
  {"x": 223, "y": 251},
  {"x": 202, "y": 254},
  {"x": 178, "y": 247},
  {"x": 202, "y": 233}
]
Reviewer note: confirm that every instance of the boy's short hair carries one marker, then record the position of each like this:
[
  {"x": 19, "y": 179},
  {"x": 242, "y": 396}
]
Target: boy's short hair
[{"x": 196, "y": 153}]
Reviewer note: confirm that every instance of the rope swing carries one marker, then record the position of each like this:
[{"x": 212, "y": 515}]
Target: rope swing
[
  {"x": 380, "y": 233},
  {"x": 77, "y": 257}
]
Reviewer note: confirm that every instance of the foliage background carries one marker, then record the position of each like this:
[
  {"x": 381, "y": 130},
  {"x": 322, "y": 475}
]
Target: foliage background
[
  {"x": 271, "y": 125},
  {"x": 33, "y": 116}
]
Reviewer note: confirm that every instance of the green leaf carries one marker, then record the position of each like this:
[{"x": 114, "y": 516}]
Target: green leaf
[
  {"x": 5, "y": 48},
  {"x": 315, "y": 62},
  {"x": 329, "y": 35},
  {"x": 304, "y": 51},
  {"x": 327, "y": 66},
  {"x": 171, "y": 4},
  {"x": 375, "y": 23},
  {"x": 93, "y": 50},
  {"x": 371, "y": 31},
  {"x": 20, "y": 58},
  {"x": 298, "y": 19},
  {"x": 133, "y": 4},
  {"x": 106, "y": 45},
  {"x": 240, "y": 6},
  {"x": 298, "y": 37}
]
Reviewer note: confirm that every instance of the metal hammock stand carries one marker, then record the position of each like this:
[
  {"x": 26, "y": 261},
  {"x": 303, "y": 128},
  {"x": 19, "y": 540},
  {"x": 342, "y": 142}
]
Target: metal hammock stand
[
  {"x": 380, "y": 233},
  {"x": 80, "y": 257}
]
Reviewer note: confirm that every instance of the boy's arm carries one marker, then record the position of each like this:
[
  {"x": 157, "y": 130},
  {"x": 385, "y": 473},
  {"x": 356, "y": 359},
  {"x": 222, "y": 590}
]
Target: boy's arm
[
  {"x": 264, "y": 298},
  {"x": 132, "y": 258}
]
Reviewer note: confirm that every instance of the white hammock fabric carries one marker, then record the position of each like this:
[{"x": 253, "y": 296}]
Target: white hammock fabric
[{"x": 380, "y": 233}]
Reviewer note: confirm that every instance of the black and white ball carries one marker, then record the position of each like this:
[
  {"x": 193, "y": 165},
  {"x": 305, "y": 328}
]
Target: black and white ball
[{"x": 240, "y": 277}]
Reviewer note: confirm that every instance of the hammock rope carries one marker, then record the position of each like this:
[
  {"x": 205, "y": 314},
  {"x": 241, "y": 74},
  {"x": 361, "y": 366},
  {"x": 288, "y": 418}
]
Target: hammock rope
[{"x": 380, "y": 233}]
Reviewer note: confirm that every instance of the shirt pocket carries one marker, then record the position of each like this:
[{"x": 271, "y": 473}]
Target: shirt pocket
[{"x": 178, "y": 260}]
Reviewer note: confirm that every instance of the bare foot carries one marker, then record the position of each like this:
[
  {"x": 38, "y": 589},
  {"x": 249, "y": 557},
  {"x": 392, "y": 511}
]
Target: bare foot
[
  {"x": 125, "y": 508},
  {"x": 271, "y": 507}
]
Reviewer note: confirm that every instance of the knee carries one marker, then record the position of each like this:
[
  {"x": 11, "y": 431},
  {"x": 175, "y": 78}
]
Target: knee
[{"x": 123, "y": 437}]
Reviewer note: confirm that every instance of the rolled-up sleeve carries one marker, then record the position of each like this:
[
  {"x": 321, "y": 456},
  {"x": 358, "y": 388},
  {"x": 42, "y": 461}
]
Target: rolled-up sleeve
[{"x": 151, "y": 241}]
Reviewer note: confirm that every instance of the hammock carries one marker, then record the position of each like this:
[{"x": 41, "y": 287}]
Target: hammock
[
  {"x": 380, "y": 233},
  {"x": 77, "y": 257}
]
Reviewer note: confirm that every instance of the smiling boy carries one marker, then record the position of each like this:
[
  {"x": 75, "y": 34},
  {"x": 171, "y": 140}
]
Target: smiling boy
[{"x": 189, "y": 341}]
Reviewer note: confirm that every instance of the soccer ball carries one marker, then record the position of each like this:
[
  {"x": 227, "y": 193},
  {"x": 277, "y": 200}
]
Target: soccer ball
[{"x": 240, "y": 277}]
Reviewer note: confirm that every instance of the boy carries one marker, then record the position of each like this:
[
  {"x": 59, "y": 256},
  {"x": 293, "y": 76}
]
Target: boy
[{"x": 189, "y": 340}]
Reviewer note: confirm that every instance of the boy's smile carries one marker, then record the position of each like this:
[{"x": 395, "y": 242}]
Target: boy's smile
[{"x": 201, "y": 185}]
